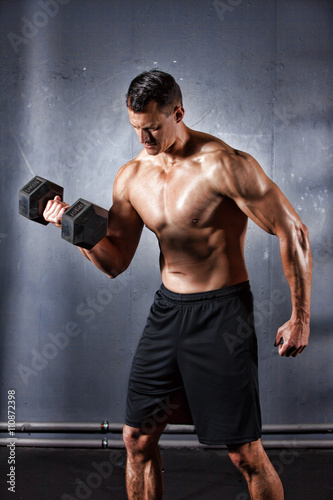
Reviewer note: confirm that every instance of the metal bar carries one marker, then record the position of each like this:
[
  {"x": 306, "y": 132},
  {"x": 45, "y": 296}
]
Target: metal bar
[
  {"x": 57, "y": 443},
  {"x": 192, "y": 443},
  {"x": 103, "y": 427},
  {"x": 299, "y": 443},
  {"x": 298, "y": 429},
  {"x": 73, "y": 427}
]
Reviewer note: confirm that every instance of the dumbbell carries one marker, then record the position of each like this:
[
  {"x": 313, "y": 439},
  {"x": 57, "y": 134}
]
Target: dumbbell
[{"x": 83, "y": 224}]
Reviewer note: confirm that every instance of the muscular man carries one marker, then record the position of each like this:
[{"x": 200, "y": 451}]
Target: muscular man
[{"x": 196, "y": 193}]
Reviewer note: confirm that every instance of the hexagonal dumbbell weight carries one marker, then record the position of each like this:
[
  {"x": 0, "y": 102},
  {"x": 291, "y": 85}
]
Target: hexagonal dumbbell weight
[
  {"x": 83, "y": 224},
  {"x": 34, "y": 196}
]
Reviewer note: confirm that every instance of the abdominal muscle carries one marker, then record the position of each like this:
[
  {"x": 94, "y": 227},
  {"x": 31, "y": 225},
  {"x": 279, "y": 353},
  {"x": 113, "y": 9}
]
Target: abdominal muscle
[{"x": 200, "y": 266}]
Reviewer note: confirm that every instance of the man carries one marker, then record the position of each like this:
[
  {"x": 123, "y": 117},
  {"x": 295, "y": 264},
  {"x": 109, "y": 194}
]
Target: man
[{"x": 196, "y": 193}]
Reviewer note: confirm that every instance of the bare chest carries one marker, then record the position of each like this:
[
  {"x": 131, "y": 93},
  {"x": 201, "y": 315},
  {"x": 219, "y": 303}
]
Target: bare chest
[{"x": 178, "y": 199}]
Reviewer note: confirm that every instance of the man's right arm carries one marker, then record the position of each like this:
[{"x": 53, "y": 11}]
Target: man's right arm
[{"x": 114, "y": 252}]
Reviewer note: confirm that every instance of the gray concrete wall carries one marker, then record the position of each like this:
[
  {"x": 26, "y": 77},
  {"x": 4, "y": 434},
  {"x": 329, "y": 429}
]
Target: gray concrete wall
[{"x": 256, "y": 74}]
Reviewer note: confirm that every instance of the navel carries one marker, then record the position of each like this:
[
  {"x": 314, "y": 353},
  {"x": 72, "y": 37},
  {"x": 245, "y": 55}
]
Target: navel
[{"x": 195, "y": 221}]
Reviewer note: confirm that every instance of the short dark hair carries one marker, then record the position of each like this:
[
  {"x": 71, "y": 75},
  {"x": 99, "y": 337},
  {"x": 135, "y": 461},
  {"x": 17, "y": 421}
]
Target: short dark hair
[{"x": 154, "y": 85}]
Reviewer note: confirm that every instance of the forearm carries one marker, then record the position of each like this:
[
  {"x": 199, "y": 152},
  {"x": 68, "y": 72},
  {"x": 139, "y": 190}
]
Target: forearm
[
  {"x": 297, "y": 266},
  {"x": 106, "y": 257}
]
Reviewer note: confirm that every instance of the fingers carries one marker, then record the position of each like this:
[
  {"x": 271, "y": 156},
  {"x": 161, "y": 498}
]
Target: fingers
[
  {"x": 288, "y": 352},
  {"x": 292, "y": 338},
  {"x": 298, "y": 351},
  {"x": 54, "y": 211},
  {"x": 286, "y": 349},
  {"x": 291, "y": 350},
  {"x": 278, "y": 340}
]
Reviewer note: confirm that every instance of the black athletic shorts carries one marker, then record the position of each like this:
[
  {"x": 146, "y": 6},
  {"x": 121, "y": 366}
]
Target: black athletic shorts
[{"x": 203, "y": 345}]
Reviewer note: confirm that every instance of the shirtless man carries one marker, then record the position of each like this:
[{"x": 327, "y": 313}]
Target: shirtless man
[{"x": 196, "y": 193}]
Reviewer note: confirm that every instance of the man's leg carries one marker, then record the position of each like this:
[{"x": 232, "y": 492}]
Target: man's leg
[
  {"x": 144, "y": 467},
  {"x": 262, "y": 479}
]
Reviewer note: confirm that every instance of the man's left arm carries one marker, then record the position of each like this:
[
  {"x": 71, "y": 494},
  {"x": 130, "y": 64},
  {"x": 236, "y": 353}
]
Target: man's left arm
[{"x": 261, "y": 200}]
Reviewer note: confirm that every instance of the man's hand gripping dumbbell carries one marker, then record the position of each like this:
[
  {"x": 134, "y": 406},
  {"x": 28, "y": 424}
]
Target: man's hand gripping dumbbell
[
  {"x": 54, "y": 211},
  {"x": 83, "y": 223}
]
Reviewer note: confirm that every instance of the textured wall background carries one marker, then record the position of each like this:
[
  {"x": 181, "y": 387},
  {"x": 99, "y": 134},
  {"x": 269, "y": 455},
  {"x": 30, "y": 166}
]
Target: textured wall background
[{"x": 256, "y": 74}]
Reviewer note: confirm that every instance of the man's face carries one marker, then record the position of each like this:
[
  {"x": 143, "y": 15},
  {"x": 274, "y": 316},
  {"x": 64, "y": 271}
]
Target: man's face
[{"x": 156, "y": 130}]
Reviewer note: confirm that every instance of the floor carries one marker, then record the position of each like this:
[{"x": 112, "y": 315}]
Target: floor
[{"x": 189, "y": 474}]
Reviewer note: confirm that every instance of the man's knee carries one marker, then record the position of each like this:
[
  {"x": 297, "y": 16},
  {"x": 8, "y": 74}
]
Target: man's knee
[
  {"x": 247, "y": 457},
  {"x": 139, "y": 443}
]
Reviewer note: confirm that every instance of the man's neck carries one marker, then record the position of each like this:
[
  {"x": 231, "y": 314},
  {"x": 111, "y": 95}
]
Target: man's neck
[{"x": 179, "y": 149}]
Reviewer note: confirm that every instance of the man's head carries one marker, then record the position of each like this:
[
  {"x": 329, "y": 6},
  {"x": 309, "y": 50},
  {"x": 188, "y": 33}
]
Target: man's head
[
  {"x": 154, "y": 85},
  {"x": 154, "y": 103}
]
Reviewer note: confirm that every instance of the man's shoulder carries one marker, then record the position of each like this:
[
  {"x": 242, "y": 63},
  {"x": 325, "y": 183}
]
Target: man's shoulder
[
  {"x": 125, "y": 176},
  {"x": 217, "y": 154},
  {"x": 212, "y": 147},
  {"x": 129, "y": 170},
  {"x": 229, "y": 169},
  {"x": 130, "y": 175}
]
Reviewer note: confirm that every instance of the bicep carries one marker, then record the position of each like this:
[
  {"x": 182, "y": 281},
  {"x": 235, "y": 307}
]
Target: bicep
[{"x": 124, "y": 225}]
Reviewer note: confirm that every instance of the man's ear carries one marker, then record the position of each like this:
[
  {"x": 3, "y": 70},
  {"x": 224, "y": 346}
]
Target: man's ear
[{"x": 179, "y": 113}]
